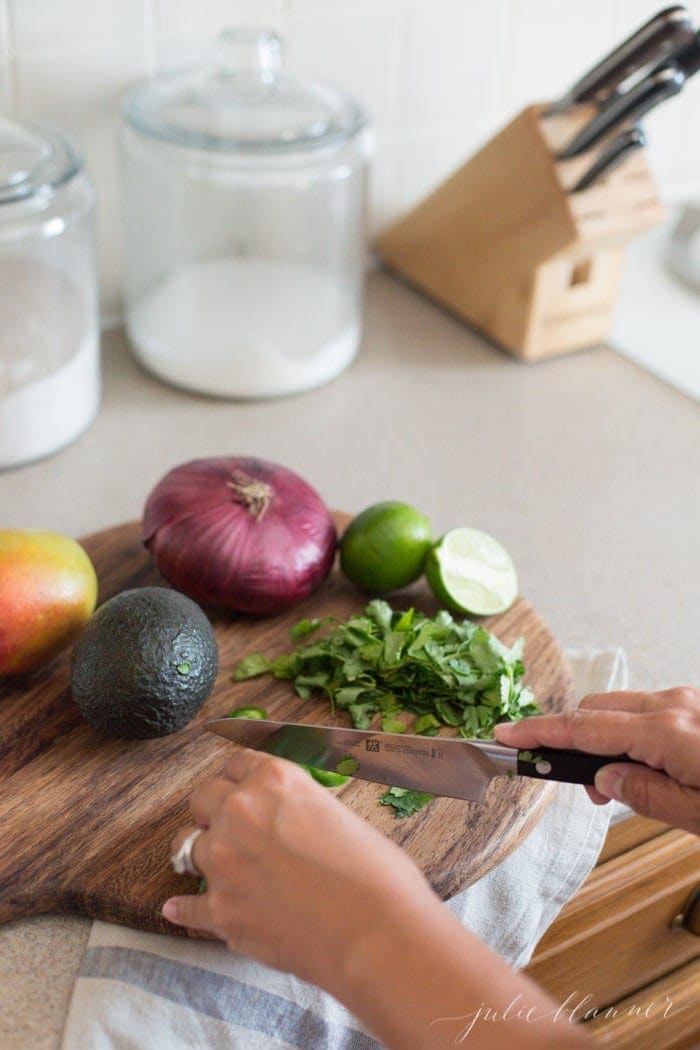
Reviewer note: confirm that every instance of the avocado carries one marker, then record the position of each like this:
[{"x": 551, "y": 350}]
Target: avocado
[{"x": 144, "y": 664}]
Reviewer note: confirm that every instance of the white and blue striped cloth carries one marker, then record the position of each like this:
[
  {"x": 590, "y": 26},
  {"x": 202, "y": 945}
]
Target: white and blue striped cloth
[{"x": 142, "y": 991}]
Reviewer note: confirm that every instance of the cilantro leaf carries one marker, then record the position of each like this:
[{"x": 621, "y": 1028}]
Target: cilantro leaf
[
  {"x": 251, "y": 666},
  {"x": 405, "y": 802},
  {"x": 392, "y": 725},
  {"x": 303, "y": 629}
]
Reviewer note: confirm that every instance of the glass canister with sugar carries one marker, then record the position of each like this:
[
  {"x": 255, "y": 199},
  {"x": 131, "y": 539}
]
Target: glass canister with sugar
[{"x": 245, "y": 200}]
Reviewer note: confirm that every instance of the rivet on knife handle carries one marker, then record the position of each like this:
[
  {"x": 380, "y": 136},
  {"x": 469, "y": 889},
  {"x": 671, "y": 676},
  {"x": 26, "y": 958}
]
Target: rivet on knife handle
[{"x": 568, "y": 767}]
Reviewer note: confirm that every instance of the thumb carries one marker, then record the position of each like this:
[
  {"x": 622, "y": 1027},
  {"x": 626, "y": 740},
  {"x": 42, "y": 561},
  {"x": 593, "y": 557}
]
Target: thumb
[
  {"x": 650, "y": 794},
  {"x": 187, "y": 911}
]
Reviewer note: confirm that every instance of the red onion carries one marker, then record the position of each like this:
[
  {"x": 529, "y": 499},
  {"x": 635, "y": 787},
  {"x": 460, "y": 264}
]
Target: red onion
[{"x": 239, "y": 533}]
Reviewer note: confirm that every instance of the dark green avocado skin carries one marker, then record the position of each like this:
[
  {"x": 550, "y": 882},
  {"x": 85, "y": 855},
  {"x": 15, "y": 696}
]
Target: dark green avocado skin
[{"x": 124, "y": 669}]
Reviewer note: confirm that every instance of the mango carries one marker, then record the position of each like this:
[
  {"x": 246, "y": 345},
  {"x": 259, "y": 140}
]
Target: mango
[{"x": 48, "y": 591}]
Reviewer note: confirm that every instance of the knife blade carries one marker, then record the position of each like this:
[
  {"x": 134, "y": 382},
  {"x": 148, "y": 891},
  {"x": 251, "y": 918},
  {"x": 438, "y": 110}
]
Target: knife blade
[
  {"x": 611, "y": 157},
  {"x": 627, "y": 108},
  {"x": 446, "y": 766},
  {"x": 658, "y": 39}
]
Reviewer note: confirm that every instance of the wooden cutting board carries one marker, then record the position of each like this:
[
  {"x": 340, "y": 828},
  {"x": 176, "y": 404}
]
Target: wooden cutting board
[{"x": 87, "y": 821}]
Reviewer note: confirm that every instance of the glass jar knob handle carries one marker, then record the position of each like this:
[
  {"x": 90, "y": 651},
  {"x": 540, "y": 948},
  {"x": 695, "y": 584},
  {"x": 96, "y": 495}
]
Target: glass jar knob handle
[{"x": 254, "y": 53}]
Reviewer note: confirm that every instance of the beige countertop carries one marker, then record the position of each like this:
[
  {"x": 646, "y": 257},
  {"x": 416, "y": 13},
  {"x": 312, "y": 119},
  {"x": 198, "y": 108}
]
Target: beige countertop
[{"x": 585, "y": 467}]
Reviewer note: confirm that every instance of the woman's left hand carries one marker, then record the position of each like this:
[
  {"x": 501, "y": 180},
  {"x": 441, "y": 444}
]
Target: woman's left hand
[{"x": 294, "y": 878}]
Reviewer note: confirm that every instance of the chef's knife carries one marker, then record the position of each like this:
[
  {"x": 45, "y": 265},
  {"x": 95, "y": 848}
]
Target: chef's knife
[
  {"x": 612, "y": 156},
  {"x": 659, "y": 38},
  {"x": 627, "y": 108},
  {"x": 451, "y": 767}
]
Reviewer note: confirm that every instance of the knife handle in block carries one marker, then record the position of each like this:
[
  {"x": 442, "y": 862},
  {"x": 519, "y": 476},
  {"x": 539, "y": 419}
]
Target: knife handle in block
[{"x": 567, "y": 767}]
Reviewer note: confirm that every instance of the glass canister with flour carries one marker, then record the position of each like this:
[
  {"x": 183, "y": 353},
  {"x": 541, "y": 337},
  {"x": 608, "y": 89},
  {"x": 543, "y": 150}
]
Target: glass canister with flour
[
  {"x": 245, "y": 200},
  {"x": 49, "y": 341}
]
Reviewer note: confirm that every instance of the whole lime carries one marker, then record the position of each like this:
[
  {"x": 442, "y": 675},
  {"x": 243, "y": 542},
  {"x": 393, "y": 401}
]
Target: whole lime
[
  {"x": 144, "y": 664},
  {"x": 384, "y": 547}
]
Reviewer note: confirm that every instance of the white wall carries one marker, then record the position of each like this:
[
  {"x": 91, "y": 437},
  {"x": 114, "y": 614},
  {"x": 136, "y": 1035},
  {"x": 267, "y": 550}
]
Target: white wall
[{"x": 437, "y": 76}]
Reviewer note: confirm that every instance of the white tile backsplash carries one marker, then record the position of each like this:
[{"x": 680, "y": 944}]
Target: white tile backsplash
[
  {"x": 80, "y": 89},
  {"x": 553, "y": 44},
  {"x": 7, "y": 100},
  {"x": 42, "y": 24},
  {"x": 206, "y": 18},
  {"x": 437, "y": 76},
  {"x": 454, "y": 76},
  {"x": 359, "y": 50}
]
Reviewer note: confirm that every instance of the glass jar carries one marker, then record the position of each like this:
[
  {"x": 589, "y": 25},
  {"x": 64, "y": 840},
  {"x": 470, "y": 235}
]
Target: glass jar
[
  {"x": 245, "y": 200},
  {"x": 49, "y": 335}
]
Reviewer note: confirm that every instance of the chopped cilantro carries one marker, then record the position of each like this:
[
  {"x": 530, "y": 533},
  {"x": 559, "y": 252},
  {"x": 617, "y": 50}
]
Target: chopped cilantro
[
  {"x": 528, "y": 756},
  {"x": 405, "y": 802},
  {"x": 347, "y": 766},
  {"x": 251, "y": 667},
  {"x": 382, "y": 662},
  {"x": 426, "y": 725},
  {"x": 392, "y": 725},
  {"x": 305, "y": 628}
]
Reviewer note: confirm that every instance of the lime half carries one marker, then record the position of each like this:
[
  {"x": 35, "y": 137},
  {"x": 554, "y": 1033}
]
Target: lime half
[{"x": 471, "y": 572}]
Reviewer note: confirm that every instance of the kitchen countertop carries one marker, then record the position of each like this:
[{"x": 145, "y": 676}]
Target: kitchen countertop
[{"x": 585, "y": 467}]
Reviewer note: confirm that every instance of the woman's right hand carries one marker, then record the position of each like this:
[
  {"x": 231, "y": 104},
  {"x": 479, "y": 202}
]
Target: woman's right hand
[{"x": 661, "y": 730}]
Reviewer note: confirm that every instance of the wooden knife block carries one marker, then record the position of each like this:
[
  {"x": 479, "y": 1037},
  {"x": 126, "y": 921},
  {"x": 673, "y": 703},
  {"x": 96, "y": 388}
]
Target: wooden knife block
[{"x": 503, "y": 244}]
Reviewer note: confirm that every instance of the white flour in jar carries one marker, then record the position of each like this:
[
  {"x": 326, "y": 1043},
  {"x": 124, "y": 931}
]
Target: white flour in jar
[
  {"x": 49, "y": 361},
  {"x": 246, "y": 327}
]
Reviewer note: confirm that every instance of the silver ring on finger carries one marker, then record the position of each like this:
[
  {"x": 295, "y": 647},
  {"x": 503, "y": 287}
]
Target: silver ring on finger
[{"x": 182, "y": 861}]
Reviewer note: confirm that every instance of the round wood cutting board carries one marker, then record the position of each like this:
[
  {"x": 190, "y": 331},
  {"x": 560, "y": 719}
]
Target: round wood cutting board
[{"x": 87, "y": 820}]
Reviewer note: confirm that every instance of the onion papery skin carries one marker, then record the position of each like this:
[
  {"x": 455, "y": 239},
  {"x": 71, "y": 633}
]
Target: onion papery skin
[{"x": 212, "y": 547}]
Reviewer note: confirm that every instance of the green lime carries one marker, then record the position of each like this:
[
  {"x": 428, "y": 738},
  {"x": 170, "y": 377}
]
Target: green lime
[
  {"x": 248, "y": 712},
  {"x": 384, "y": 547},
  {"x": 471, "y": 572}
]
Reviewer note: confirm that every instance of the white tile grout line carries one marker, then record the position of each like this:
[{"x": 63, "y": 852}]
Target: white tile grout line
[
  {"x": 402, "y": 73},
  {"x": 9, "y": 65},
  {"x": 152, "y": 27}
]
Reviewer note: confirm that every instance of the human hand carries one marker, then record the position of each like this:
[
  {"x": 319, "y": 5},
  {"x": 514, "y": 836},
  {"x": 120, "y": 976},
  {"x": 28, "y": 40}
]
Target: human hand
[
  {"x": 298, "y": 881},
  {"x": 294, "y": 878},
  {"x": 661, "y": 730}
]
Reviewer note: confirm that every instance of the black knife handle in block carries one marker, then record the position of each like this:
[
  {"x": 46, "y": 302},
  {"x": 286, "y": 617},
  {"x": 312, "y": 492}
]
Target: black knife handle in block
[{"x": 567, "y": 767}]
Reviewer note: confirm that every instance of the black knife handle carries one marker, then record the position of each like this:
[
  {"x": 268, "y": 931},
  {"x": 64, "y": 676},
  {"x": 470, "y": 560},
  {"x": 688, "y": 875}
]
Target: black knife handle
[
  {"x": 686, "y": 59},
  {"x": 659, "y": 38},
  {"x": 612, "y": 156},
  {"x": 566, "y": 767},
  {"x": 630, "y": 107}
]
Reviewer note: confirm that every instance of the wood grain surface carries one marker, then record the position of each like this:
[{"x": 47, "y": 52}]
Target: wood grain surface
[{"x": 87, "y": 820}]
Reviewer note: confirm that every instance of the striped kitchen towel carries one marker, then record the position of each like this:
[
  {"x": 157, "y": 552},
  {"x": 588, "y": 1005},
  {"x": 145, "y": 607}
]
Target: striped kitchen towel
[{"x": 139, "y": 991}]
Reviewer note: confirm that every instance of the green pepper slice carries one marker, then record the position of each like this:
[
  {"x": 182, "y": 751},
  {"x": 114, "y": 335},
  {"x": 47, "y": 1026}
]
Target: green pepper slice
[
  {"x": 248, "y": 712},
  {"x": 325, "y": 776}
]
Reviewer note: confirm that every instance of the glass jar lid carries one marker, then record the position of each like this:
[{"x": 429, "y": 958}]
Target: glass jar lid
[
  {"x": 243, "y": 102},
  {"x": 35, "y": 157}
]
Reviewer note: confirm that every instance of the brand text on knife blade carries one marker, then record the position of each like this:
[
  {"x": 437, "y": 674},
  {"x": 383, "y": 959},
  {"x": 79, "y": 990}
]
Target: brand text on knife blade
[{"x": 405, "y": 749}]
